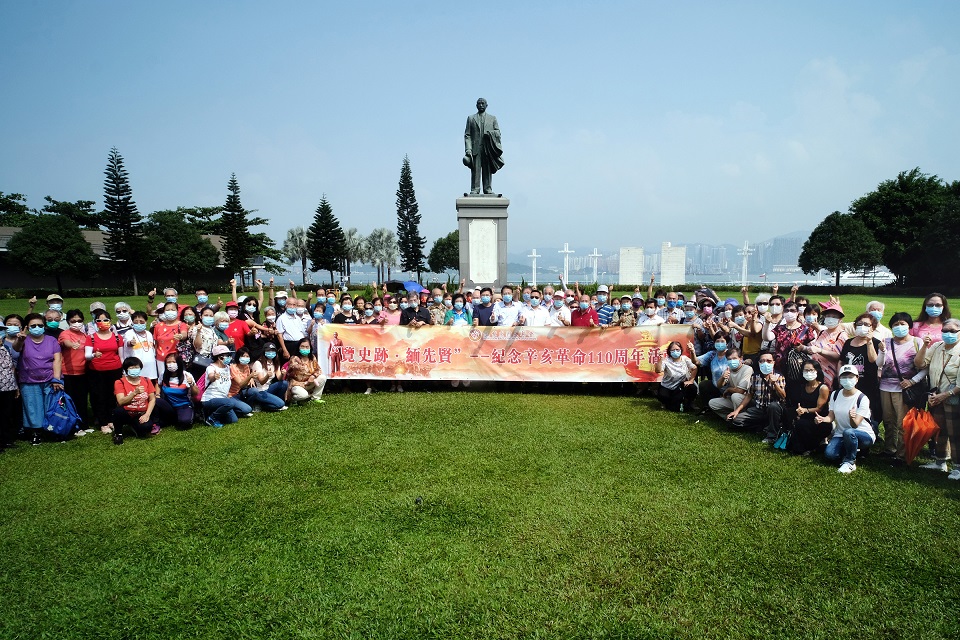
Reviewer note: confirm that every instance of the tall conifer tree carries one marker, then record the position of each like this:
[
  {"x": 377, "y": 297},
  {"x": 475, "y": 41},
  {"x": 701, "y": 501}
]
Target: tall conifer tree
[
  {"x": 239, "y": 245},
  {"x": 408, "y": 223},
  {"x": 124, "y": 240},
  {"x": 325, "y": 240}
]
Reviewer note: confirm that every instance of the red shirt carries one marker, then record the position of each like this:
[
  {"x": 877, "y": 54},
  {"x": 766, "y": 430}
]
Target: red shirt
[
  {"x": 238, "y": 330},
  {"x": 73, "y": 359},
  {"x": 163, "y": 335},
  {"x": 141, "y": 401},
  {"x": 110, "y": 348},
  {"x": 580, "y": 318}
]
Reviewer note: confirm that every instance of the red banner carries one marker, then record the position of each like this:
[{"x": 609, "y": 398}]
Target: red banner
[{"x": 535, "y": 354}]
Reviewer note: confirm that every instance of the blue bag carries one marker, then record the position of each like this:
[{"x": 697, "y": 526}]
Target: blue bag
[{"x": 62, "y": 417}]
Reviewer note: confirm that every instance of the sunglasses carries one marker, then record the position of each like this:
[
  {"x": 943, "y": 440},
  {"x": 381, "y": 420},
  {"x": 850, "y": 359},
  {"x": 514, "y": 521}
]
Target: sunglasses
[{"x": 35, "y": 326}]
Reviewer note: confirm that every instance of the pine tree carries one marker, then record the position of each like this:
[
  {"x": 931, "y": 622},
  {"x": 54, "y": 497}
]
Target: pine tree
[
  {"x": 325, "y": 240},
  {"x": 239, "y": 245},
  {"x": 408, "y": 223},
  {"x": 124, "y": 241}
]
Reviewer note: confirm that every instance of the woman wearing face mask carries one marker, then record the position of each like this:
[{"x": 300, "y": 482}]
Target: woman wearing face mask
[
  {"x": 866, "y": 353},
  {"x": 169, "y": 332},
  {"x": 850, "y": 415},
  {"x": 678, "y": 387},
  {"x": 735, "y": 382},
  {"x": 347, "y": 314},
  {"x": 178, "y": 389},
  {"x": 808, "y": 401},
  {"x": 136, "y": 399},
  {"x": 942, "y": 361},
  {"x": 73, "y": 342},
  {"x": 244, "y": 385},
  {"x": 934, "y": 313},
  {"x": 716, "y": 362},
  {"x": 791, "y": 334},
  {"x": 268, "y": 377},
  {"x": 304, "y": 379},
  {"x": 458, "y": 315},
  {"x": 219, "y": 407},
  {"x": 237, "y": 327},
  {"x": 138, "y": 343},
  {"x": 898, "y": 373},
  {"x": 391, "y": 314},
  {"x": 221, "y": 323},
  {"x": 826, "y": 347},
  {"x": 745, "y": 324},
  {"x": 369, "y": 316},
  {"x": 39, "y": 372},
  {"x": 102, "y": 352}
]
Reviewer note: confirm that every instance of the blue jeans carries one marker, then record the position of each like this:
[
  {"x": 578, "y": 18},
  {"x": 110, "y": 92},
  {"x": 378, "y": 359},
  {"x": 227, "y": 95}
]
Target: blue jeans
[
  {"x": 847, "y": 444},
  {"x": 34, "y": 395},
  {"x": 271, "y": 399},
  {"x": 225, "y": 410}
]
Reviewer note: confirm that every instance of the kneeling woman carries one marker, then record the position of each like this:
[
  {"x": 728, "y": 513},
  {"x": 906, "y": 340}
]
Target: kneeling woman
[
  {"x": 136, "y": 400},
  {"x": 808, "y": 401},
  {"x": 677, "y": 388},
  {"x": 177, "y": 391},
  {"x": 850, "y": 415},
  {"x": 244, "y": 385},
  {"x": 220, "y": 408},
  {"x": 304, "y": 378}
]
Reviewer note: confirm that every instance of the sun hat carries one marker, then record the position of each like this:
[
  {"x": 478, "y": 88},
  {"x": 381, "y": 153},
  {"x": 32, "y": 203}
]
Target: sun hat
[
  {"x": 54, "y": 296},
  {"x": 832, "y": 306},
  {"x": 219, "y": 350}
]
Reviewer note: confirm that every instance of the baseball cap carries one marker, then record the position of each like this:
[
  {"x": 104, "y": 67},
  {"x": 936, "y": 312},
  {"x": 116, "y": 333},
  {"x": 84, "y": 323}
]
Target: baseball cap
[
  {"x": 848, "y": 368},
  {"x": 97, "y": 306},
  {"x": 53, "y": 296},
  {"x": 281, "y": 294},
  {"x": 603, "y": 289}
]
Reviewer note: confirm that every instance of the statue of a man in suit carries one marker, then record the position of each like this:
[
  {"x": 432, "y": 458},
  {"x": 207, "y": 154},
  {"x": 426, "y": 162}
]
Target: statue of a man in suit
[{"x": 483, "y": 153}]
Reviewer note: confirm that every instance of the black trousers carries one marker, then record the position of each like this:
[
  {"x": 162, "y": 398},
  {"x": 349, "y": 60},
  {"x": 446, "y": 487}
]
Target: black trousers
[
  {"x": 101, "y": 394},
  {"x": 78, "y": 388}
]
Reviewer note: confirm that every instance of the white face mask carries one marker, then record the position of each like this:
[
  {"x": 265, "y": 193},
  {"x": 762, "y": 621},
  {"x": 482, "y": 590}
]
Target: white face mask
[
  {"x": 172, "y": 366},
  {"x": 848, "y": 383},
  {"x": 809, "y": 375},
  {"x": 831, "y": 322},
  {"x": 861, "y": 330}
]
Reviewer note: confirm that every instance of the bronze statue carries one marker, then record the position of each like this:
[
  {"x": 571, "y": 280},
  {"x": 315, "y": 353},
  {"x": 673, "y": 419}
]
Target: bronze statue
[{"x": 483, "y": 153}]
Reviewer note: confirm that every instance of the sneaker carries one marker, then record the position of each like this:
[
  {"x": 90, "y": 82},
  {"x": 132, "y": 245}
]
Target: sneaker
[
  {"x": 155, "y": 429},
  {"x": 768, "y": 440},
  {"x": 35, "y": 440},
  {"x": 117, "y": 438},
  {"x": 248, "y": 415},
  {"x": 368, "y": 391},
  {"x": 88, "y": 430},
  {"x": 399, "y": 389},
  {"x": 847, "y": 467},
  {"x": 954, "y": 475},
  {"x": 106, "y": 430},
  {"x": 319, "y": 400},
  {"x": 283, "y": 408},
  {"x": 213, "y": 423},
  {"x": 936, "y": 466},
  {"x": 80, "y": 434}
]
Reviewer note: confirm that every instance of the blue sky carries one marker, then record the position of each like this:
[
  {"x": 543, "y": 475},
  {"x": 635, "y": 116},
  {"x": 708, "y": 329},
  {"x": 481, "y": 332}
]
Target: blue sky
[{"x": 624, "y": 123}]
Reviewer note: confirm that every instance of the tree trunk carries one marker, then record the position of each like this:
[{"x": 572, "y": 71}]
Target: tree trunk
[
  {"x": 837, "y": 282},
  {"x": 59, "y": 285},
  {"x": 136, "y": 289},
  {"x": 331, "y": 278},
  {"x": 303, "y": 263}
]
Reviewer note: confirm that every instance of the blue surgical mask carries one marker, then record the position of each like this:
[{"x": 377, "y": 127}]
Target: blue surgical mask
[
  {"x": 458, "y": 305},
  {"x": 507, "y": 298},
  {"x": 900, "y": 331},
  {"x": 584, "y": 306},
  {"x": 244, "y": 360},
  {"x": 720, "y": 346},
  {"x": 291, "y": 311},
  {"x": 281, "y": 302},
  {"x": 55, "y": 307},
  {"x": 734, "y": 364},
  {"x": 270, "y": 355},
  {"x": 139, "y": 327},
  {"x": 485, "y": 299},
  {"x": 403, "y": 305},
  {"x": 949, "y": 337},
  {"x": 740, "y": 320},
  {"x": 170, "y": 315},
  {"x": 53, "y": 324},
  {"x": 534, "y": 302},
  {"x": 202, "y": 299},
  {"x": 188, "y": 318},
  {"x": 227, "y": 359},
  {"x": 689, "y": 314},
  {"x": 616, "y": 307},
  {"x": 368, "y": 313},
  {"x": 602, "y": 297},
  {"x": 208, "y": 321},
  {"x": 766, "y": 368},
  {"x": 438, "y": 299},
  {"x": 661, "y": 302},
  {"x": 347, "y": 308},
  {"x": 933, "y": 312},
  {"x": 317, "y": 315},
  {"x": 251, "y": 309},
  {"x": 304, "y": 352},
  {"x": 171, "y": 298},
  {"x": 35, "y": 331},
  {"x": 558, "y": 304},
  {"x": 675, "y": 353},
  {"x": 877, "y": 314},
  {"x": 671, "y": 304},
  {"x": 377, "y": 308},
  {"x": 133, "y": 372},
  {"x": 331, "y": 300},
  {"x": 223, "y": 326},
  {"x": 810, "y": 319},
  {"x": 12, "y": 329},
  {"x": 526, "y": 297}
]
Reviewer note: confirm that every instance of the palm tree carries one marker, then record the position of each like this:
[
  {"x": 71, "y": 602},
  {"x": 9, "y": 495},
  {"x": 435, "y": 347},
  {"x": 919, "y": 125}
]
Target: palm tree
[
  {"x": 382, "y": 252},
  {"x": 352, "y": 248},
  {"x": 295, "y": 248}
]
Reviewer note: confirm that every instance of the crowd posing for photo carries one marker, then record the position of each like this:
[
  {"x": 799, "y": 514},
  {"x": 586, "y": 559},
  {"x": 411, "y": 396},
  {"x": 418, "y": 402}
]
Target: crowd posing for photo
[{"x": 807, "y": 376}]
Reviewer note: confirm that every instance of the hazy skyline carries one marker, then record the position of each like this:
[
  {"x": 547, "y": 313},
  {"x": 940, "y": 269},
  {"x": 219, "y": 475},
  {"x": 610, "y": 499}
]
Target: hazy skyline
[{"x": 624, "y": 123}]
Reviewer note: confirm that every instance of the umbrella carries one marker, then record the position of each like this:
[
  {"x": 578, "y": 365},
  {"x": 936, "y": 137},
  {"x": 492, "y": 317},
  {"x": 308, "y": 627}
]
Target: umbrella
[
  {"x": 412, "y": 287},
  {"x": 918, "y": 428}
]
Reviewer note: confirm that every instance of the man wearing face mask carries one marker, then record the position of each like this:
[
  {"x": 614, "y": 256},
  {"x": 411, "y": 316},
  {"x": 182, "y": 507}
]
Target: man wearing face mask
[
  {"x": 735, "y": 382},
  {"x": 649, "y": 316},
  {"x": 762, "y": 405},
  {"x": 559, "y": 311},
  {"x": 537, "y": 314},
  {"x": 507, "y": 312},
  {"x": 436, "y": 307},
  {"x": 672, "y": 311},
  {"x": 716, "y": 361},
  {"x": 290, "y": 328},
  {"x": 483, "y": 308},
  {"x": 584, "y": 315},
  {"x": 604, "y": 308},
  {"x": 415, "y": 316}
]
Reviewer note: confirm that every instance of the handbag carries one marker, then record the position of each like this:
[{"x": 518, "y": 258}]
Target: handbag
[
  {"x": 916, "y": 394},
  {"x": 202, "y": 361}
]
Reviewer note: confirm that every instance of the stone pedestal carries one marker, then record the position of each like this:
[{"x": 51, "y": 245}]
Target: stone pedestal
[{"x": 482, "y": 223}]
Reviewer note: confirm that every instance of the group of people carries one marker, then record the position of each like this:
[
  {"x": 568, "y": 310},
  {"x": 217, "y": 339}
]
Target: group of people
[
  {"x": 810, "y": 378},
  {"x": 794, "y": 370}
]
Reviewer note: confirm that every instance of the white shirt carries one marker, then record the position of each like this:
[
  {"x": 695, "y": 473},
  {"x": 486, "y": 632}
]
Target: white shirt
[
  {"x": 506, "y": 316},
  {"x": 841, "y": 404},
  {"x": 220, "y": 387},
  {"x": 537, "y": 317},
  {"x": 290, "y": 327},
  {"x": 651, "y": 320},
  {"x": 559, "y": 317}
]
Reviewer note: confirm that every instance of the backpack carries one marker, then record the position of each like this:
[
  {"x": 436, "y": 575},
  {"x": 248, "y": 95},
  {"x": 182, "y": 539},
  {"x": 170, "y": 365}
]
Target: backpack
[
  {"x": 62, "y": 417},
  {"x": 860, "y": 397}
]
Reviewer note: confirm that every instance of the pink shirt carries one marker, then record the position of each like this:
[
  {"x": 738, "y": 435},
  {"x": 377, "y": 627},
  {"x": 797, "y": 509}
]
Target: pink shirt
[
  {"x": 391, "y": 318},
  {"x": 922, "y": 329}
]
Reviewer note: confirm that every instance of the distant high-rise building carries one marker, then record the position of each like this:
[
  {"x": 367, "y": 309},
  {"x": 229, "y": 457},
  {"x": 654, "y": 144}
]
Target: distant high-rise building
[
  {"x": 785, "y": 253},
  {"x": 673, "y": 262},
  {"x": 631, "y": 265}
]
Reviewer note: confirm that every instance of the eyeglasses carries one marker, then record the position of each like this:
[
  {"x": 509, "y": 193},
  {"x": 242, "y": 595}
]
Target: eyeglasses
[
  {"x": 934, "y": 304},
  {"x": 35, "y": 326}
]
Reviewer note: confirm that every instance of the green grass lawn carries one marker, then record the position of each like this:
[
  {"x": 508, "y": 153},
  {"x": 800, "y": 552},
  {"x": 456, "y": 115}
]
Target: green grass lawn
[{"x": 539, "y": 516}]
